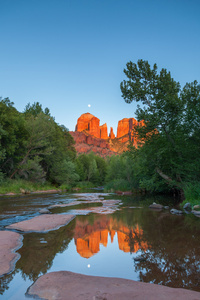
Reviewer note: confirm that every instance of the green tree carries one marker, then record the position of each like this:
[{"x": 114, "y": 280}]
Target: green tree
[
  {"x": 39, "y": 129},
  {"x": 35, "y": 109},
  {"x": 174, "y": 113},
  {"x": 65, "y": 173},
  {"x": 12, "y": 135}
]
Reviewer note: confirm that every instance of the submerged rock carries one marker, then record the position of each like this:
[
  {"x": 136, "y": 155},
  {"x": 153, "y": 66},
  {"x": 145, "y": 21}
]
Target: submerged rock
[
  {"x": 187, "y": 206},
  {"x": 176, "y": 211},
  {"x": 44, "y": 211},
  {"x": 156, "y": 206},
  {"x": 196, "y": 213},
  {"x": 166, "y": 207},
  {"x": 9, "y": 243},
  {"x": 139, "y": 258},
  {"x": 66, "y": 285},
  {"x": 196, "y": 207}
]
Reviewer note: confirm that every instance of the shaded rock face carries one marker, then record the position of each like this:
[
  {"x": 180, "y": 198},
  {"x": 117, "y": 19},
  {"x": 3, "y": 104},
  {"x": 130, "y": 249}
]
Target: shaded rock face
[
  {"x": 104, "y": 131},
  {"x": 85, "y": 143},
  {"x": 111, "y": 135},
  {"x": 126, "y": 126}
]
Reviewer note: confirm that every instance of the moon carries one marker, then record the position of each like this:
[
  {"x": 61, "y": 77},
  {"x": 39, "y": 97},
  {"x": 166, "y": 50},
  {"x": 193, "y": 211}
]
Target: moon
[{"x": 89, "y": 105}]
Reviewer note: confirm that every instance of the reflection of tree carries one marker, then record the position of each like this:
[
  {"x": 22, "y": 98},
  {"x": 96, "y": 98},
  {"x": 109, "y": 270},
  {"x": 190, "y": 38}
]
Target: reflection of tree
[
  {"x": 36, "y": 257},
  {"x": 4, "y": 282},
  {"x": 174, "y": 255},
  {"x": 136, "y": 240}
]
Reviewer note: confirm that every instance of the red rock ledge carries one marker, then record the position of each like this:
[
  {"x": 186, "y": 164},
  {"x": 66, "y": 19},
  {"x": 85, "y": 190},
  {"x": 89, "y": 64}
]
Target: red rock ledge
[
  {"x": 42, "y": 223},
  {"x": 9, "y": 243},
  {"x": 66, "y": 285}
]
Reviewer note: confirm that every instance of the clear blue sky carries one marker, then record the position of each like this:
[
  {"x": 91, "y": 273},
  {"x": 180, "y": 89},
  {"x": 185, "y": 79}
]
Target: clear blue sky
[{"x": 68, "y": 54}]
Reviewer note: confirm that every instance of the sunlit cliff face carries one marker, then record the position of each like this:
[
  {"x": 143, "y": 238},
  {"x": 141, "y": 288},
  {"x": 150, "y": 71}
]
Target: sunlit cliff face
[{"x": 88, "y": 238}]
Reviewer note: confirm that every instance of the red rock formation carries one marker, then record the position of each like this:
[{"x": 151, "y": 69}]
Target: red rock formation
[
  {"x": 85, "y": 143},
  {"x": 94, "y": 128},
  {"x": 111, "y": 135},
  {"x": 83, "y": 122},
  {"x": 89, "y": 136},
  {"x": 126, "y": 126},
  {"x": 89, "y": 123},
  {"x": 104, "y": 131},
  {"x": 123, "y": 127}
]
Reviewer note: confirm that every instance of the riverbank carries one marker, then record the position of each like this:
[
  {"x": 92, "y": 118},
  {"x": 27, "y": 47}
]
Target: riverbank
[{"x": 16, "y": 187}]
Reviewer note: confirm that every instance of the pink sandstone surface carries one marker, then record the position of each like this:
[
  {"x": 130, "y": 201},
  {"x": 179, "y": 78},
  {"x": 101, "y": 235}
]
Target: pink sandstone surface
[
  {"x": 42, "y": 223},
  {"x": 66, "y": 285},
  {"x": 9, "y": 243}
]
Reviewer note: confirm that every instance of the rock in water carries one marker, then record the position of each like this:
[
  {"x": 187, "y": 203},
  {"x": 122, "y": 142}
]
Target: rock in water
[
  {"x": 67, "y": 285},
  {"x": 187, "y": 206},
  {"x": 156, "y": 206},
  {"x": 42, "y": 223},
  {"x": 9, "y": 243},
  {"x": 176, "y": 211}
]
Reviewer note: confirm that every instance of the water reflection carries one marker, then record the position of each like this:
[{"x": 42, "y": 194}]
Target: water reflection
[
  {"x": 88, "y": 237},
  {"x": 39, "y": 250},
  {"x": 109, "y": 244}
]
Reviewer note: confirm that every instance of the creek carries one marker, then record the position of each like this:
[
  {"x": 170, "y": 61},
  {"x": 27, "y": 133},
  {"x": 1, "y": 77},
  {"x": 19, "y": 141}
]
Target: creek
[{"x": 104, "y": 244}]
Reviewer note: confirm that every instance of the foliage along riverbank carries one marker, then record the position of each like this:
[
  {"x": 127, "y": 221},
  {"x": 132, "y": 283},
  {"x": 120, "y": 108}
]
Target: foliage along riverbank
[{"x": 37, "y": 150}]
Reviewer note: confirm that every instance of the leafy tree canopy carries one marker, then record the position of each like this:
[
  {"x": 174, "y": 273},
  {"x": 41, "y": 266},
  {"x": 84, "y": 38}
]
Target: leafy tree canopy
[{"x": 169, "y": 150}]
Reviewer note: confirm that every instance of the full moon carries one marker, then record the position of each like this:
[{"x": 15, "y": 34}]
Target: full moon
[{"x": 89, "y": 105}]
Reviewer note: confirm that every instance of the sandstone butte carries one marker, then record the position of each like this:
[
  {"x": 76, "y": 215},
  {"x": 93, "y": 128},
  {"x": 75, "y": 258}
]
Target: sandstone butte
[{"x": 90, "y": 136}]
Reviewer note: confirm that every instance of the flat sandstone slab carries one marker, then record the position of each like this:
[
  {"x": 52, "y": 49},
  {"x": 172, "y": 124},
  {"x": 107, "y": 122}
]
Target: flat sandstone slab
[
  {"x": 66, "y": 285},
  {"x": 42, "y": 223},
  {"x": 9, "y": 243}
]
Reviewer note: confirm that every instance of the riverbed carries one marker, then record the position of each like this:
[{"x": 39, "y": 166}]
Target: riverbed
[{"x": 125, "y": 240}]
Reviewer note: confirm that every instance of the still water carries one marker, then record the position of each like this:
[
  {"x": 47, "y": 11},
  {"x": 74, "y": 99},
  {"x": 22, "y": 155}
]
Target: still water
[{"x": 105, "y": 244}]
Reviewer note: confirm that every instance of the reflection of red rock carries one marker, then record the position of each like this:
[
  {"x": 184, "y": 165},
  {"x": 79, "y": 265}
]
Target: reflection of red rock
[{"x": 89, "y": 237}]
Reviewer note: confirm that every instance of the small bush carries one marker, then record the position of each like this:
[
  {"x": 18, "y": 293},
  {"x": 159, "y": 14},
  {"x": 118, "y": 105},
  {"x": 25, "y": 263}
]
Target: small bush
[
  {"x": 85, "y": 185},
  {"x": 192, "y": 193},
  {"x": 118, "y": 184}
]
